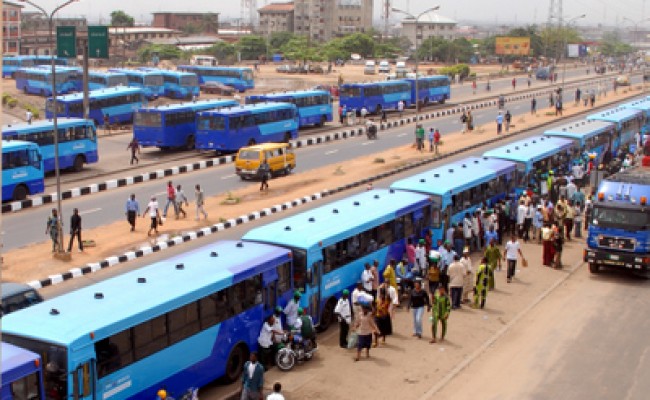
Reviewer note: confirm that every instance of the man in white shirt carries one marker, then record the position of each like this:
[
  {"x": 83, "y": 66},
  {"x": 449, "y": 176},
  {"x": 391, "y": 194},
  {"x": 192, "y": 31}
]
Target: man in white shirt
[
  {"x": 356, "y": 294},
  {"x": 467, "y": 229},
  {"x": 343, "y": 311},
  {"x": 476, "y": 229},
  {"x": 578, "y": 173},
  {"x": 276, "y": 395},
  {"x": 265, "y": 340},
  {"x": 367, "y": 278},
  {"x": 468, "y": 283},
  {"x": 291, "y": 310},
  {"x": 457, "y": 274},
  {"x": 571, "y": 189},
  {"x": 510, "y": 255},
  {"x": 152, "y": 209},
  {"x": 521, "y": 217}
]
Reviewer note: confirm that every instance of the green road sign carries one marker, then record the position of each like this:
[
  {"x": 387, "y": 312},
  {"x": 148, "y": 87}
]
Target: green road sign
[
  {"x": 66, "y": 41},
  {"x": 98, "y": 41}
]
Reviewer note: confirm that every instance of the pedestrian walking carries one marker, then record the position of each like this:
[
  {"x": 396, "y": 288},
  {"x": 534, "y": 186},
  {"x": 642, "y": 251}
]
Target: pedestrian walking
[
  {"x": 384, "y": 118},
  {"x": 75, "y": 230},
  {"x": 538, "y": 223},
  {"x": 511, "y": 251},
  {"x": 470, "y": 121},
  {"x": 457, "y": 274},
  {"x": 533, "y": 106},
  {"x": 363, "y": 113},
  {"x": 474, "y": 86},
  {"x": 343, "y": 311},
  {"x": 577, "y": 220},
  {"x": 436, "y": 141},
  {"x": 499, "y": 121},
  {"x": 52, "y": 229},
  {"x": 28, "y": 117},
  {"x": 508, "y": 119},
  {"x": 277, "y": 387},
  {"x": 431, "y": 138},
  {"x": 134, "y": 146},
  {"x": 514, "y": 83},
  {"x": 382, "y": 316},
  {"x": 264, "y": 171},
  {"x": 154, "y": 215},
  {"x": 342, "y": 112},
  {"x": 558, "y": 245},
  {"x": 252, "y": 379},
  {"x": 200, "y": 202},
  {"x": 180, "y": 199},
  {"x": 107, "y": 123},
  {"x": 433, "y": 273},
  {"x": 171, "y": 200},
  {"x": 468, "y": 278},
  {"x": 417, "y": 300},
  {"x": 365, "y": 327},
  {"x": 419, "y": 137},
  {"x": 132, "y": 211},
  {"x": 440, "y": 314},
  {"x": 492, "y": 256},
  {"x": 463, "y": 121},
  {"x": 577, "y": 96},
  {"x": 481, "y": 287},
  {"x": 400, "y": 107}
]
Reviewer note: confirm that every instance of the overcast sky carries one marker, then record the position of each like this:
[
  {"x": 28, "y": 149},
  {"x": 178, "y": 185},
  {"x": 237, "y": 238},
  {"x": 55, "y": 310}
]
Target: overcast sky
[{"x": 610, "y": 12}]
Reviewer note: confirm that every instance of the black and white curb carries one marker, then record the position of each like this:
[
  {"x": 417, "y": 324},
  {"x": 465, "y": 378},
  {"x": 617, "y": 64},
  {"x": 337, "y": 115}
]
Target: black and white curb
[{"x": 37, "y": 201}]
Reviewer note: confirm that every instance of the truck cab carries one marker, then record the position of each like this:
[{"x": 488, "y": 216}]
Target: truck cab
[{"x": 619, "y": 229}]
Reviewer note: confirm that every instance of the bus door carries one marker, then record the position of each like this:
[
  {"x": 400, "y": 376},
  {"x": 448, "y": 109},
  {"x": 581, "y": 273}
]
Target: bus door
[
  {"x": 83, "y": 381},
  {"x": 270, "y": 285},
  {"x": 315, "y": 289}
]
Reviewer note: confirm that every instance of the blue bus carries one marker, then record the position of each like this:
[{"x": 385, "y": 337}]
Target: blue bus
[
  {"x": 117, "y": 103},
  {"x": 11, "y": 64},
  {"x": 21, "y": 374},
  {"x": 330, "y": 244},
  {"x": 627, "y": 122},
  {"x": 175, "y": 324},
  {"x": 589, "y": 137},
  {"x": 102, "y": 80},
  {"x": 459, "y": 188},
  {"x": 150, "y": 81},
  {"x": 432, "y": 89},
  {"x": 172, "y": 125},
  {"x": 22, "y": 170},
  {"x": 314, "y": 106},
  {"x": 77, "y": 141},
  {"x": 240, "y": 78},
  {"x": 375, "y": 96},
  {"x": 642, "y": 105},
  {"x": 534, "y": 156},
  {"x": 232, "y": 128},
  {"x": 38, "y": 80},
  {"x": 177, "y": 84}
]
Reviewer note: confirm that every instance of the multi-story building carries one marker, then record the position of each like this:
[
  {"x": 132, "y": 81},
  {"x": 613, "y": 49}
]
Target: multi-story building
[
  {"x": 322, "y": 20},
  {"x": 276, "y": 17},
  {"x": 11, "y": 15},
  {"x": 35, "y": 37},
  {"x": 187, "y": 21},
  {"x": 429, "y": 25}
]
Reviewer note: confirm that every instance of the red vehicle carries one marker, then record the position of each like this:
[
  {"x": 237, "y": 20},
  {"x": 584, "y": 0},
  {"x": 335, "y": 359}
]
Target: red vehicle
[{"x": 216, "y": 88}]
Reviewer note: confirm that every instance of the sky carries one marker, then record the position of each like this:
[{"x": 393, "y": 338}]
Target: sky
[{"x": 502, "y": 12}]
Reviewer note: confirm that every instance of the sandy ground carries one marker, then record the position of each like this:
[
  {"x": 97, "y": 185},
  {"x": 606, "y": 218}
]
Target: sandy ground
[{"x": 36, "y": 262}]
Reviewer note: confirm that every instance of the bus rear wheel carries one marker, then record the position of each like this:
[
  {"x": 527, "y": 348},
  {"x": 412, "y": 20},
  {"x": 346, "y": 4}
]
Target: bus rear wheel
[
  {"x": 235, "y": 364},
  {"x": 378, "y": 109},
  {"x": 20, "y": 193},
  {"x": 322, "y": 121},
  {"x": 327, "y": 317},
  {"x": 78, "y": 164},
  {"x": 190, "y": 143}
]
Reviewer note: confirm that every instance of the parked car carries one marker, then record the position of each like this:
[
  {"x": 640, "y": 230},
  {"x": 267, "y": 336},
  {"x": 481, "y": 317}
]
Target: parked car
[
  {"x": 16, "y": 296},
  {"x": 217, "y": 88},
  {"x": 623, "y": 80},
  {"x": 285, "y": 69}
]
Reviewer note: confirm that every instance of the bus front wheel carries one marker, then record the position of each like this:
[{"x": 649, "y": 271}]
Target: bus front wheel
[
  {"x": 236, "y": 359},
  {"x": 322, "y": 122},
  {"x": 20, "y": 193},
  {"x": 78, "y": 164},
  {"x": 287, "y": 137}
]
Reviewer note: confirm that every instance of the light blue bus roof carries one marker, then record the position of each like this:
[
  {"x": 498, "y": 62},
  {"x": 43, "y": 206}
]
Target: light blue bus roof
[
  {"x": 428, "y": 78},
  {"x": 8, "y": 145},
  {"x": 381, "y": 83},
  {"x": 296, "y": 93},
  {"x": 38, "y": 125},
  {"x": 616, "y": 115},
  {"x": 46, "y": 69},
  {"x": 328, "y": 223},
  {"x": 100, "y": 93},
  {"x": 135, "y": 71},
  {"x": 14, "y": 358},
  {"x": 455, "y": 177},
  {"x": 196, "y": 105},
  {"x": 584, "y": 129},
  {"x": 106, "y": 73},
  {"x": 531, "y": 149},
  {"x": 250, "y": 108},
  {"x": 639, "y": 104},
  {"x": 169, "y": 72},
  {"x": 215, "y": 68},
  {"x": 127, "y": 302}
]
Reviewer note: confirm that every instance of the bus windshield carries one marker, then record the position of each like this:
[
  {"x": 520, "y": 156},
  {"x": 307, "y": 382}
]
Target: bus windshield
[
  {"x": 189, "y": 80},
  {"x": 153, "y": 80},
  {"x": 628, "y": 219},
  {"x": 149, "y": 119}
]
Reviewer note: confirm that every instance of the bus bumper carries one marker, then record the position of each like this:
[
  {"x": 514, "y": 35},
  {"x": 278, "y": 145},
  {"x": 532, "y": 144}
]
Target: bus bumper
[{"x": 618, "y": 260}]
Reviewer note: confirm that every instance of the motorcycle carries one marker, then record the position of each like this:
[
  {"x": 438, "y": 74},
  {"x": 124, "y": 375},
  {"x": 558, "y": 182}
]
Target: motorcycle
[
  {"x": 295, "y": 349},
  {"x": 371, "y": 131}
]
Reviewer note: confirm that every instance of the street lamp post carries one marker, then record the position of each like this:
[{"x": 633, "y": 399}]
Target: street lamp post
[
  {"x": 55, "y": 135},
  {"x": 417, "y": 59},
  {"x": 564, "y": 49},
  {"x": 636, "y": 31}
]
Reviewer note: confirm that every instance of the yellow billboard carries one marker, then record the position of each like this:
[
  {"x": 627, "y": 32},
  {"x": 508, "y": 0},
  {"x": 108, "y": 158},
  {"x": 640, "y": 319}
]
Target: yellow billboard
[{"x": 517, "y": 46}]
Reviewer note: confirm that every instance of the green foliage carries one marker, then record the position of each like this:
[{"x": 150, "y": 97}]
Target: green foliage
[
  {"x": 36, "y": 113},
  {"x": 554, "y": 40},
  {"x": 299, "y": 48},
  {"x": 120, "y": 18},
  {"x": 12, "y": 102},
  {"x": 333, "y": 50},
  {"x": 279, "y": 39},
  {"x": 439, "y": 49},
  {"x": 387, "y": 50},
  {"x": 5, "y": 98},
  {"x": 225, "y": 52},
  {"x": 164, "y": 51},
  {"x": 459, "y": 69},
  {"x": 359, "y": 43},
  {"x": 252, "y": 47},
  {"x": 612, "y": 45}
]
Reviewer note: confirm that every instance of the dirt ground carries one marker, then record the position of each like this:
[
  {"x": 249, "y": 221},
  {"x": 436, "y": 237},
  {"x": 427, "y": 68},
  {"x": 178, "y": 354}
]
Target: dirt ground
[{"x": 36, "y": 262}]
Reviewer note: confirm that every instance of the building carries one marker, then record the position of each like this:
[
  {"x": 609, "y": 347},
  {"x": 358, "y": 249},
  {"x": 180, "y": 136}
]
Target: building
[
  {"x": 322, "y": 20},
  {"x": 429, "y": 25},
  {"x": 276, "y": 17},
  {"x": 192, "y": 22},
  {"x": 11, "y": 19},
  {"x": 34, "y": 21}
]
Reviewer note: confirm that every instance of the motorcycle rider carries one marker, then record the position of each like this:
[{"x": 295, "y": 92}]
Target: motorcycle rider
[
  {"x": 305, "y": 326},
  {"x": 371, "y": 129},
  {"x": 265, "y": 340}
]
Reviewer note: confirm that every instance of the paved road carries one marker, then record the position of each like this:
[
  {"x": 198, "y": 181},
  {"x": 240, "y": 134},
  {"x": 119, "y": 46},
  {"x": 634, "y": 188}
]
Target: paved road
[{"x": 587, "y": 341}]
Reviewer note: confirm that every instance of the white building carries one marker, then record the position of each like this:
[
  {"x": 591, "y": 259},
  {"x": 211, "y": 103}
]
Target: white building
[{"x": 429, "y": 25}]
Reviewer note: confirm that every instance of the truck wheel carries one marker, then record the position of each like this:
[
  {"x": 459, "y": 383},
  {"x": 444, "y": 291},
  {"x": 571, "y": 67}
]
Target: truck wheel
[{"x": 594, "y": 268}]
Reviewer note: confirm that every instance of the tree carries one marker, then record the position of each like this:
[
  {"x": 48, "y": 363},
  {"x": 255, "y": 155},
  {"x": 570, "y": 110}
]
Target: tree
[
  {"x": 251, "y": 47},
  {"x": 612, "y": 45},
  {"x": 225, "y": 52},
  {"x": 359, "y": 43},
  {"x": 301, "y": 49},
  {"x": 279, "y": 39},
  {"x": 120, "y": 18},
  {"x": 333, "y": 50},
  {"x": 164, "y": 52},
  {"x": 555, "y": 40}
]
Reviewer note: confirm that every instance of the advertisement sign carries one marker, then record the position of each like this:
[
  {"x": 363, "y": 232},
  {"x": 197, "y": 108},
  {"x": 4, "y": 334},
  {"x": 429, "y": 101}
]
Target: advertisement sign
[
  {"x": 576, "y": 50},
  {"x": 516, "y": 46}
]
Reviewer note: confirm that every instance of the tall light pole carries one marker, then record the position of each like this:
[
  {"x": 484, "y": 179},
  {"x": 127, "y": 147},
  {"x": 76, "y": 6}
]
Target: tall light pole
[
  {"x": 564, "y": 49},
  {"x": 417, "y": 21},
  {"x": 55, "y": 134},
  {"x": 636, "y": 31}
]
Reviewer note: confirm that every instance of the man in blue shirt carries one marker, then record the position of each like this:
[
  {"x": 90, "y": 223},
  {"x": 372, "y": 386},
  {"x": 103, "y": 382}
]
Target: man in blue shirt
[
  {"x": 446, "y": 258},
  {"x": 491, "y": 234},
  {"x": 499, "y": 122},
  {"x": 252, "y": 379},
  {"x": 132, "y": 210}
]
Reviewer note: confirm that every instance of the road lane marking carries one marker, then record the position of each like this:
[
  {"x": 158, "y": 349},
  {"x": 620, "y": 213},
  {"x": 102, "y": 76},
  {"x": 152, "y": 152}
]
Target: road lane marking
[
  {"x": 331, "y": 152},
  {"x": 228, "y": 176},
  {"x": 92, "y": 210},
  {"x": 367, "y": 143},
  {"x": 402, "y": 134}
]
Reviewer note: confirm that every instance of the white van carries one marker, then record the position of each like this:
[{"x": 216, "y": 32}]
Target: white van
[
  {"x": 369, "y": 69},
  {"x": 384, "y": 67},
  {"x": 207, "y": 61},
  {"x": 400, "y": 70}
]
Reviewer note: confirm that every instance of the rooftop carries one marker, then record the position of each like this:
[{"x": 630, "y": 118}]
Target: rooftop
[
  {"x": 184, "y": 13},
  {"x": 277, "y": 7},
  {"x": 430, "y": 18}
]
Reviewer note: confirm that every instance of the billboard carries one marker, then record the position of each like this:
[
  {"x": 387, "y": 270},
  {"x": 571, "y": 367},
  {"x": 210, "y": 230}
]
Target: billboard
[
  {"x": 576, "y": 50},
  {"x": 517, "y": 46}
]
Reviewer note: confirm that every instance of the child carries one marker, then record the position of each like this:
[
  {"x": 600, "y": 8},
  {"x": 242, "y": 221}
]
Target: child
[
  {"x": 558, "y": 244},
  {"x": 440, "y": 313}
]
